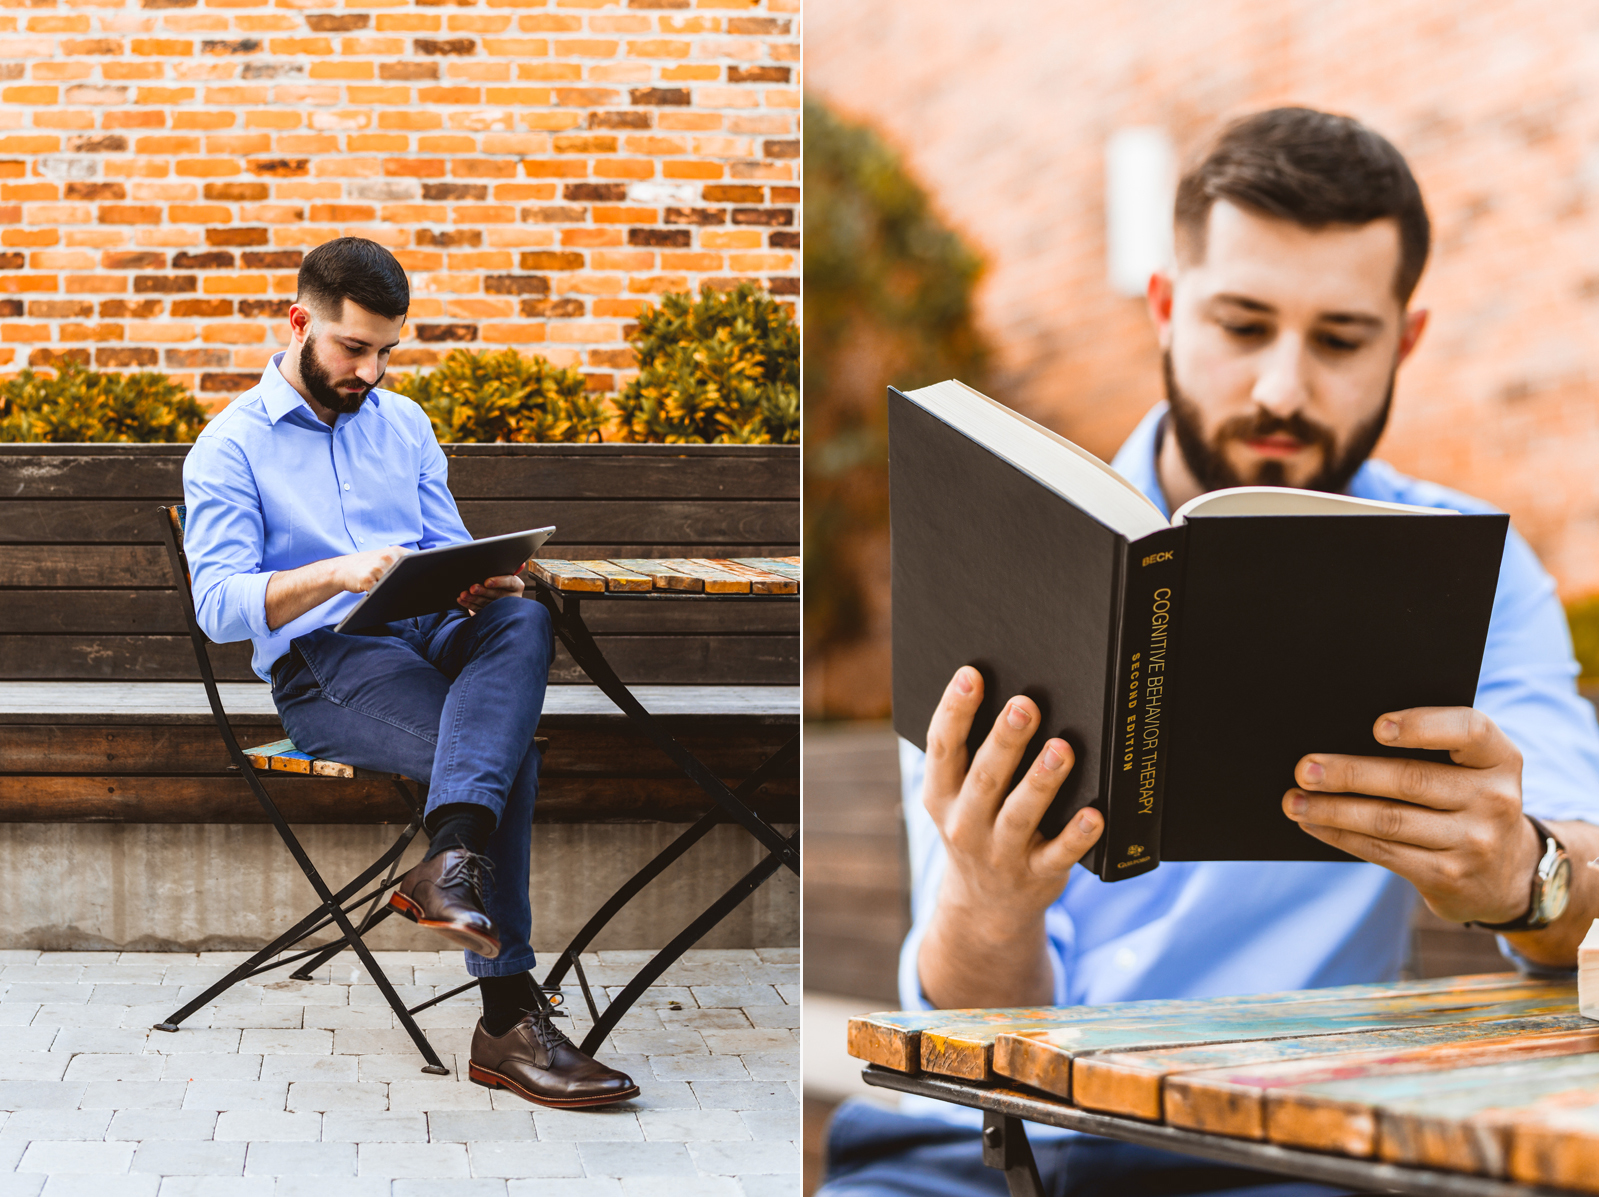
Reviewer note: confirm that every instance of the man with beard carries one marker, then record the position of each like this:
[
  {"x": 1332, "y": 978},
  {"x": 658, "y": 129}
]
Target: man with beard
[
  {"x": 1300, "y": 239},
  {"x": 300, "y": 493}
]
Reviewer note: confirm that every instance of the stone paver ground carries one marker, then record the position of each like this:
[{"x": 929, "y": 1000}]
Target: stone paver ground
[{"x": 286, "y": 1088}]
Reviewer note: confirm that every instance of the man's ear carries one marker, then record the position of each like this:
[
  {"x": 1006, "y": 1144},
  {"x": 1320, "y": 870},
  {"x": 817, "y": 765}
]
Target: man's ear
[
  {"x": 299, "y": 321},
  {"x": 1415, "y": 325},
  {"x": 1159, "y": 298}
]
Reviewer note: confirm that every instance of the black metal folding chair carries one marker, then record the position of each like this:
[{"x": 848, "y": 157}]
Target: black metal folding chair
[{"x": 336, "y": 906}]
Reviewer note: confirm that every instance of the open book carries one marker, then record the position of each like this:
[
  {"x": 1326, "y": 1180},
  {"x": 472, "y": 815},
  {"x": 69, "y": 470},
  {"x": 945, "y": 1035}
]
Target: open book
[{"x": 1190, "y": 663}]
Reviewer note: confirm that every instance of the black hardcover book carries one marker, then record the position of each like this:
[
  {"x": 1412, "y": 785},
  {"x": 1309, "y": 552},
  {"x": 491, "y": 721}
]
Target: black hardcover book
[{"x": 1189, "y": 662}]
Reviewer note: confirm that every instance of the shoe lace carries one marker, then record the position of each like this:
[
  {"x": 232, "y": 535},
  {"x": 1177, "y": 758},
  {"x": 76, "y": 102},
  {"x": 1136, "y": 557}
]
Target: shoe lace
[
  {"x": 544, "y": 1030},
  {"x": 471, "y": 870}
]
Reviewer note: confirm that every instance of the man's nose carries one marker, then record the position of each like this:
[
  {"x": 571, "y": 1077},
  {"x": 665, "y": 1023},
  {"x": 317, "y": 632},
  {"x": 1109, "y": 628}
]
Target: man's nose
[
  {"x": 1282, "y": 387},
  {"x": 369, "y": 371}
]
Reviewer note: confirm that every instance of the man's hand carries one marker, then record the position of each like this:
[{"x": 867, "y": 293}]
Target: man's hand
[
  {"x": 985, "y": 944},
  {"x": 1455, "y": 831},
  {"x": 481, "y": 595},
  {"x": 359, "y": 572},
  {"x": 291, "y": 593}
]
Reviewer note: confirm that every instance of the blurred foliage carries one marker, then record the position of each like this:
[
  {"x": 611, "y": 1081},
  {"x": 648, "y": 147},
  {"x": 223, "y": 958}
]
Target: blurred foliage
[
  {"x": 78, "y": 404},
  {"x": 717, "y": 370},
  {"x": 1583, "y": 616},
  {"x": 499, "y": 396},
  {"x": 888, "y": 300}
]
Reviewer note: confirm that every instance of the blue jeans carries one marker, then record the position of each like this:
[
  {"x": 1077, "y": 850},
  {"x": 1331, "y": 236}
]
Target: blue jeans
[
  {"x": 451, "y": 700},
  {"x": 873, "y": 1152}
]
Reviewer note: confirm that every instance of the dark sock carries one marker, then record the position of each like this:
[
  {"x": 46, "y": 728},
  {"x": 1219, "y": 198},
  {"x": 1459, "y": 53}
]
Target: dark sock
[
  {"x": 506, "y": 1001},
  {"x": 459, "y": 825}
]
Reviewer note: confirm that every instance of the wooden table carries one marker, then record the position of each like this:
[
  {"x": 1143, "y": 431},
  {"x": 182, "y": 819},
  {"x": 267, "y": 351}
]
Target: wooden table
[
  {"x": 564, "y": 586},
  {"x": 1479, "y": 1086}
]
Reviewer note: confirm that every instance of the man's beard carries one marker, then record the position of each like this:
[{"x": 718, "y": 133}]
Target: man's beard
[
  {"x": 317, "y": 380},
  {"x": 1207, "y": 460}
]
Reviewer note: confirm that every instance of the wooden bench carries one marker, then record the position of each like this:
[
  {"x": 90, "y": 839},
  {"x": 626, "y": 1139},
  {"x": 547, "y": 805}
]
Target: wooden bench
[{"x": 92, "y": 640}]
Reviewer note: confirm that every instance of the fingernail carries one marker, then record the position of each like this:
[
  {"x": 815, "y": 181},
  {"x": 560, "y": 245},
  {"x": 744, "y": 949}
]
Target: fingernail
[
  {"x": 1085, "y": 819},
  {"x": 1297, "y": 803},
  {"x": 963, "y": 681},
  {"x": 1387, "y": 730},
  {"x": 1052, "y": 759},
  {"x": 1016, "y": 717},
  {"x": 1314, "y": 772}
]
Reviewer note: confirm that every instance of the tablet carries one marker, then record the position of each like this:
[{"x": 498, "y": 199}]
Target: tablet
[{"x": 430, "y": 580}]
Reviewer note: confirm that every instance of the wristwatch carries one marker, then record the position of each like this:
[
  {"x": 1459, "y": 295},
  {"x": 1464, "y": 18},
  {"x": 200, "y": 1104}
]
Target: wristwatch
[{"x": 1551, "y": 886}]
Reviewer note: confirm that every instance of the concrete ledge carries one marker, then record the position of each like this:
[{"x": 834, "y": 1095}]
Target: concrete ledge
[{"x": 230, "y": 887}]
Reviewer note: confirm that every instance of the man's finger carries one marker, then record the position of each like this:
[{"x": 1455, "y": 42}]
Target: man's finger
[
  {"x": 1057, "y": 856},
  {"x": 1442, "y": 787},
  {"x": 1420, "y": 866},
  {"x": 1376, "y": 818},
  {"x": 1470, "y": 737},
  {"x": 946, "y": 737},
  {"x": 1025, "y": 806},
  {"x": 988, "y": 779}
]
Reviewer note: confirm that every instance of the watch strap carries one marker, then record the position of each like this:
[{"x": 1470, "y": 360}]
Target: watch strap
[{"x": 1526, "y": 922}]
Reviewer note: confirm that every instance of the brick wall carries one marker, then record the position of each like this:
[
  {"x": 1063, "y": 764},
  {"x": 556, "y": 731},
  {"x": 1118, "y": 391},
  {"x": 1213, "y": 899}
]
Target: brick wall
[
  {"x": 542, "y": 169},
  {"x": 1003, "y": 111}
]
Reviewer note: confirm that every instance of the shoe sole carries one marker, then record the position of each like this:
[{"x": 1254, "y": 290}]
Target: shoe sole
[
  {"x": 466, "y": 937},
  {"x": 493, "y": 1080}
]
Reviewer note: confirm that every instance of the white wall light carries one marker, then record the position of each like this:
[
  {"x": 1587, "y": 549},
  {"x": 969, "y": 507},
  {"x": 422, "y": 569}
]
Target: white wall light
[{"x": 1140, "y": 186}]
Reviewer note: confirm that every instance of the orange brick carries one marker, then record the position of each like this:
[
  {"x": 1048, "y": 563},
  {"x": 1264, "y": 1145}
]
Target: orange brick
[
  {"x": 449, "y": 95},
  {"x": 691, "y": 72},
  {"x": 624, "y": 168},
  {"x": 29, "y": 191},
  {"x": 628, "y": 23},
  {"x": 730, "y": 238},
  {"x": 516, "y": 47},
  {"x": 30, "y": 95},
  {"x": 584, "y": 48},
  {"x": 480, "y": 309},
  {"x": 620, "y": 307},
  {"x": 25, "y": 332},
  {"x": 612, "y": 215},
  {"x": 130, "y": 70},
  {"x": 589, "y": 237},
  {"x": 625, "y": 260},
  {"x": 233, "y": 334},
  {"x": 691, "y": 261},
  {"x": 199, "y": 120},
  {"x": 300, "y": 45},
  {"x": 760, "y": 262},
  {"x": 237, "y": 284},
  {"x": 517, "y": 95},
  {"x": 25, "y": 144},
  {"x": 272, "y": 118},
  {"x": 29, "y": 237},
  {"x": 549, "y": 23},
  {"x": 134, "y": 120},
  {"x": 414, "y": 213},
  {"x": 658, "y": 48},
  {"x": 690, "y": 121},
  {"x": 407, "y": 23},
  {"x": 58, "y": 24},
  {"x": 688, "y": 169},
  {"x": 163, "y": 47},
  {"x": 384, "y": 143},
  {"x": 206, "y": 168},
  {"x": 549, "y": 72},
  {"x": 341, "y": 70},
  {"x": 372, "y": 45},
  {"x": 92, "y": 332},
  {"x": 655, "y": 145}
]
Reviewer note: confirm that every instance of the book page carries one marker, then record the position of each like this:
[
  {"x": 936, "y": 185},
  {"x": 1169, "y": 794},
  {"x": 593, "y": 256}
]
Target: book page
[{"x": 1285, "y": 500}]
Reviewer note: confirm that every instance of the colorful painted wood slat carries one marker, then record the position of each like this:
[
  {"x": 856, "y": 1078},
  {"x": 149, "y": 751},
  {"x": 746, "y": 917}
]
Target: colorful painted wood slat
[
  {"x": 1218, "y": 1088},
  {"x": 1236, "y": 1100},
  {"x": 1449, "y": 1119},
  {"x": 261, "y": 755},
  {"x": 761, "y": 581},
  {"x": 788, "y": 567},
  {"x": 1556, "y": 1142},
  {"x": 716, "y": 580},
  {"x": 665, "y": 577},
  {"x": 567, "y": 575},
  {"x": 892, "y": 1039},
  {"x": 1044, "y": 1060},
  {"x": 619, "y": 578}
]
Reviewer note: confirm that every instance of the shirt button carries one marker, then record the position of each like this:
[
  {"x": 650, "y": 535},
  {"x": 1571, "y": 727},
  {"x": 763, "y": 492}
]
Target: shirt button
[{"x": 346, "y": 486}]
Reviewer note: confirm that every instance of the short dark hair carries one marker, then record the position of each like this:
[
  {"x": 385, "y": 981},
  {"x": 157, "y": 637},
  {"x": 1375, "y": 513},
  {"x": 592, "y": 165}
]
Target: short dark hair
[
  {"x": 1314, "y": 169},
  {"x": 356, "y": 269}
]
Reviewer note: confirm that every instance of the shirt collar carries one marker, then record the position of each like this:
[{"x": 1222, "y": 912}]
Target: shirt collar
[{"x": 279, "y": 398}]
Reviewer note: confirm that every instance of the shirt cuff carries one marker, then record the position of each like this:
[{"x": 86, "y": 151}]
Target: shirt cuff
[
  {"x": 1534, "y": 968},
  {"x": 251, "y": 600}
]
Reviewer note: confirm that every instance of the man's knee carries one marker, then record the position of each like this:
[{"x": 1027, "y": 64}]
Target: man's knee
[{"x": 524, "y": 621}]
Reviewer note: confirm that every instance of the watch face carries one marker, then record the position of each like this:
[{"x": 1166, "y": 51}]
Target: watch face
[{"x": 1556, "y": 890}]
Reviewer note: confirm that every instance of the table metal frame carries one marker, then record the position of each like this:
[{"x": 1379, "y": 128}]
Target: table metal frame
[
  {"x": 566, "y": 615},
  {"x": 1005, "y": 1145}
]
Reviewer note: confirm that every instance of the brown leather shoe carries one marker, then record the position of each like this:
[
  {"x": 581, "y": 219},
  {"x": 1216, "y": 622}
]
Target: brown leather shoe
[
  {"x": 538, "y": 1063},
  {"x": 445, "y": 894}
]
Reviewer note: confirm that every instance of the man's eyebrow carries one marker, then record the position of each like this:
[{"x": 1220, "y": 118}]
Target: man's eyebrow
[
  {"x": 1245, "y": 302},
  {"x": 360, "y": 342}
]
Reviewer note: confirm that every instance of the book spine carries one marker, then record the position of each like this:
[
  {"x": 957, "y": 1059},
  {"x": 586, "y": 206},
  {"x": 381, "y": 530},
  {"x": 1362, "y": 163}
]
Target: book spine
[{"x": 1139, "y": 706}]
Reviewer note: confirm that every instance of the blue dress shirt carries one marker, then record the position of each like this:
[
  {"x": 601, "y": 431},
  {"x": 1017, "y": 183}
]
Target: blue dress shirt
[
  {"x": 270, "y": 487},
  {"x": 1194, "y": 929}
]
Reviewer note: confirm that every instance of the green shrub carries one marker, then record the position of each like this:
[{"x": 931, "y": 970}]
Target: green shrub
[
  {"x": 78, "y": 404},
  {"x": 501, "y": 396},
  {"x": 1583, "y": 616},
  {"x": 717, "y": 370}
]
